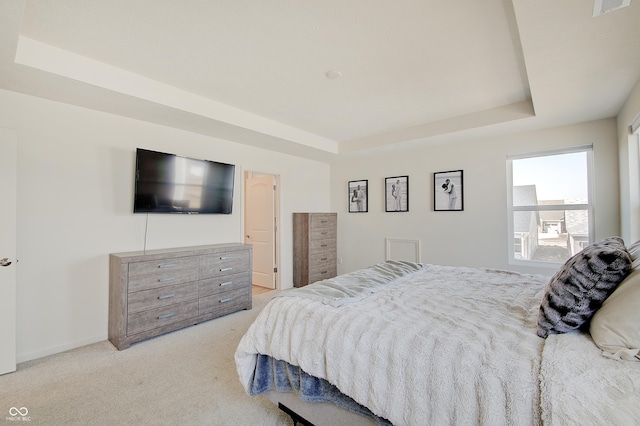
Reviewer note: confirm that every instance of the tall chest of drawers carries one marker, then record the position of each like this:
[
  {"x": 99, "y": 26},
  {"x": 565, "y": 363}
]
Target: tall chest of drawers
[
  {"x": 314, "y": 247},
  {"x": 159, "y": 291}
]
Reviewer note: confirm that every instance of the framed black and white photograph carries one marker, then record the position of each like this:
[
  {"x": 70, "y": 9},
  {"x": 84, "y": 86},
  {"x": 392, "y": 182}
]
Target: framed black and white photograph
[
  {"x": 448, "y": 191},
  {"x": 358, "y": 196},
  {"x": 396, "y": 194}
]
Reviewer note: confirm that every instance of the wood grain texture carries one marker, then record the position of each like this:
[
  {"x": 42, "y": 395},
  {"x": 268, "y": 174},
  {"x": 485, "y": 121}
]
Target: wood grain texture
[
  {"x": 155, "y": 292},
  {"x": 314, "y": 247}
]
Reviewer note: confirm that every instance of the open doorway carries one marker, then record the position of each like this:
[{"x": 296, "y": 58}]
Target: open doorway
[{"x": 261, "y": 228}]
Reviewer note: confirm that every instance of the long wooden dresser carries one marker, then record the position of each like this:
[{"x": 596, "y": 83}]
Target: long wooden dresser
[
  {"x": 314, "y": 247},
  {"x": 158, "y": 291}
]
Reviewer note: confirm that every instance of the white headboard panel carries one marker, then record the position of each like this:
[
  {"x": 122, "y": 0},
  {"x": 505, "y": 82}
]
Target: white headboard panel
[{"x": 402, "y": 249}]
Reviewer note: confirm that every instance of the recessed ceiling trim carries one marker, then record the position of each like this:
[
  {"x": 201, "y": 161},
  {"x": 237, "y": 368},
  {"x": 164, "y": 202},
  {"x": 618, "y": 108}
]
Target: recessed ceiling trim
[
  {"x": 503, "y": 114},
  {"x": 44, "y": 57}
]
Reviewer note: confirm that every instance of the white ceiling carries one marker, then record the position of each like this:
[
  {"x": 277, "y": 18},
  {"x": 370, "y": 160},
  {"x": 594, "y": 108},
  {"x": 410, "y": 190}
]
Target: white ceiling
[{"x": 254, "y": 71}]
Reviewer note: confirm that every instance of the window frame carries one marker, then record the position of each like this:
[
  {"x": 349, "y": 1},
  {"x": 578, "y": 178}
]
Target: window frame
[{"x": 511, "y": 209}]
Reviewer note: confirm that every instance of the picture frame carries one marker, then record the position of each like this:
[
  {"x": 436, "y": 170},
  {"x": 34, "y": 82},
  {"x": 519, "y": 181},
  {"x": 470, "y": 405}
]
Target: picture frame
[
  {"x": 358, "y": 196},
  {"x": 448, "y": 191},
  {"x": 396, "y": 190}
]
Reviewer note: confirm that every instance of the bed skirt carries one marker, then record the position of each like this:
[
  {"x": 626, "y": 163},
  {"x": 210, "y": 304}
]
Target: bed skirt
[{"x": 280, "y": 376}]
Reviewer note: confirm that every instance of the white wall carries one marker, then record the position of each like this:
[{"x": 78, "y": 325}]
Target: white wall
[
  {"x": 476, "y": 236},
  {"x": 629, "y": 167},
  {"x": 75, "y": 191}
]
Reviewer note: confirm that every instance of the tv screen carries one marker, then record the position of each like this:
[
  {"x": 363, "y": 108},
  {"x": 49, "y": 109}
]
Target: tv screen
[{"x": 169, "y": 183}]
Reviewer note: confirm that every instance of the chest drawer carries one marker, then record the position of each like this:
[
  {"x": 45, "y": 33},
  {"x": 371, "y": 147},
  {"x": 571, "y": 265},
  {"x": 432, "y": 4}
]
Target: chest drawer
[
  {"x": 322, "y": 272},
  {"x": 159, "y": 317},
  {"x": 321, "y": 246},
  {"x": 320, "y": 220},
  {"x": 320, "y": 259},
  {"x": 323, "y": 234},
  {"x": 163, "y": 296},
  {"x": 232, "y": 262},
  {"x": 218, "y": 285}
]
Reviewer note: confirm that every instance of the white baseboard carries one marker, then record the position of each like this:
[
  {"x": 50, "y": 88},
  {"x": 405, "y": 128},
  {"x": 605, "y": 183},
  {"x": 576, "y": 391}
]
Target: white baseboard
[{"x": 57, "y": 349}]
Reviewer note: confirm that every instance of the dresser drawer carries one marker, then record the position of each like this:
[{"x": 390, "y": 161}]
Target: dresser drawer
[
  {"x": 224, "y": 303},
  {"x": 161, "y": 279},
  {"x": 163, "y": 296},
  {"x": 154, "y": 318},
  {"x": 152, "y": 267},
  {"x": 218, "y": 285},
  {"x": 161, "y": 273},
  {"x": 232, "y": 262},
  {"x": 319, "y": 220}
]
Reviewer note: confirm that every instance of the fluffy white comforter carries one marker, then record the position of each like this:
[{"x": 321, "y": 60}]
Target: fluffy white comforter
[
  {"x": 580, "y": 386},
  {"x": 451, "y": 345}
]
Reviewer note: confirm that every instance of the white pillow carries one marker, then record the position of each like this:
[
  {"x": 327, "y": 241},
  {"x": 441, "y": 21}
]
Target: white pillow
[
  {"x": 634, "y": 252},
  {"x": 615, "y": 327}
]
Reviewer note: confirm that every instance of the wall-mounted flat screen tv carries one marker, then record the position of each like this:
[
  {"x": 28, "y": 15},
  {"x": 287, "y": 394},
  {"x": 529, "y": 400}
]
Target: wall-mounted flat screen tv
[{"x": 169, "y": 183}]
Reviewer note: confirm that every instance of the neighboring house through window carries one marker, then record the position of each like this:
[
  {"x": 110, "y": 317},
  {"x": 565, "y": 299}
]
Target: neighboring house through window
[{"x": 550, "y": 207}]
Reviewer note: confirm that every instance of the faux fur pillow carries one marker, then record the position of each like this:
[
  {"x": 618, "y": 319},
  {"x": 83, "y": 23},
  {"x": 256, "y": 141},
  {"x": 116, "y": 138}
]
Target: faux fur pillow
[{"x": 580, "y": 286}]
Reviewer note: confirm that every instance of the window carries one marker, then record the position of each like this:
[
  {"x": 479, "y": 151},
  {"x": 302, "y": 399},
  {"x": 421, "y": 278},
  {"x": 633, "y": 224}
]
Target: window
[{"x": 550, "y": 208}]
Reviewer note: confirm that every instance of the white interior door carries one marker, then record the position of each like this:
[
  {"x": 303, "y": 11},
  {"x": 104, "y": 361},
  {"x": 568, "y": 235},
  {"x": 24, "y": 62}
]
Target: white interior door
[
  {"x": 8, "y": 166},
  {"x": 260, "y": 227}
]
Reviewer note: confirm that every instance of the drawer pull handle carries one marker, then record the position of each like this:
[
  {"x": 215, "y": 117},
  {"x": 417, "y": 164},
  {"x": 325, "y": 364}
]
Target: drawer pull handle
[
  {"x": 225, "y": 300},
  {"x": 225, "y": 269},
  {"x": 226, "y": 283},
  {"x": 166, "y": 280},
  {"x": 324, "y": 233},
  {"x": 167, "y": 265},
  {"x": 165, "y": 316},
  {"x": 166, "y": 296},
  {"x": 324, "y": 258},
  {"x": 323, "y": 245},
  {"x": 323, "y": 272},
  {"x": 323, "y": 221},
  {"x": 226, "y": 257}
]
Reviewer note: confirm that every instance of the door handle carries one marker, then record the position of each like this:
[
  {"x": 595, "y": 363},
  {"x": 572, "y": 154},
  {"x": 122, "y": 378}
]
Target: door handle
[{"x": 5, "y": 261}]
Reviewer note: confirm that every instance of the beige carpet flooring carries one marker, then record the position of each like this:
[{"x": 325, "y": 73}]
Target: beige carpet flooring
[{"x": 187, "y": 377}]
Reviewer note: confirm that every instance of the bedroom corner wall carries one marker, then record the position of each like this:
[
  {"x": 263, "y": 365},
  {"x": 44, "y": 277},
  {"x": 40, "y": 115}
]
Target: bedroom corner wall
[
  {"x": 75, "y": 192},
  {"x": 629, "y": 152},
  {"x": 476, "y": 236}
]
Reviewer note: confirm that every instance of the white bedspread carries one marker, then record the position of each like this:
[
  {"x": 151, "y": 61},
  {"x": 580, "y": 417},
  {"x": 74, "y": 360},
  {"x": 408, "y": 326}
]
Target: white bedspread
[
  {"x": 580, "y": 386},
  {"x": 450, "y": 346}
]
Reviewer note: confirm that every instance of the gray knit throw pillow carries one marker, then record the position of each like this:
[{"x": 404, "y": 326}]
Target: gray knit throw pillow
[{"x": 580, "y": 286}]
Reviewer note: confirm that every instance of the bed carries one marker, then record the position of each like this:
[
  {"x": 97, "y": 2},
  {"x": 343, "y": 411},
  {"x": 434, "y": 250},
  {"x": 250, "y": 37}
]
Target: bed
[{"x": 406, "y": 343}]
